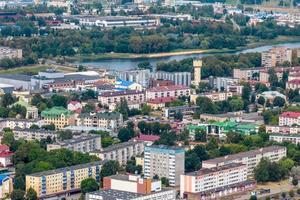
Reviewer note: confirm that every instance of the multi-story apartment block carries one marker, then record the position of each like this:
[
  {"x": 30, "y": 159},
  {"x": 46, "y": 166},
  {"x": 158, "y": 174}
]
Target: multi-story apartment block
[
  {"x": 275, "y": 56},
  {"x": 294, "y": 138},
  {"x": 6, "y": 52},
  {"x": 283, "y": 129},
  {"x": 107, "y": 120},
  {"x": 62, "y": 180},
  {"x": 178, "y": 78},
  {"x": 33, "y": 134},
  {"x": 216, "y": 96},
  {"x": 165, "y": 194},
  {"x": 248, "y": 158},
  {"x": 5, "y": 156},
  {"x": 264, "y": 73},
  {"x": 58, "y": 116},
  {"x": 246, "y": 74},
  {"x": 83, "y": 144},
  {"x": 293, "y": 84},
  {"x": 289, "y": 119},
  {"x": 18, "y": 123},
  {"x": 138, "y": 76},
  {"x": 131, "y": 96},
  {"x": 131, "y": 183},
  {"x": 170, "y": 112},
  {"x": 121, "y": 152},
  {"x": 213, "y": 182},
  {"x": 165, "y": 162},
  {"x": 167, "y": 91}
]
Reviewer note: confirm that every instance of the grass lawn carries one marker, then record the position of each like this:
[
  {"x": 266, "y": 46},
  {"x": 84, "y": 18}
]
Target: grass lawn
[{"x": 34, "y": 69}]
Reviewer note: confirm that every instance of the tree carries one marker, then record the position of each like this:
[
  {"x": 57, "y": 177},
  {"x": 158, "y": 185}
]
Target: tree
[
  {"x": 200, "y": 135},
  {"x": 236, "y": 104},
  {"x": 261, "y": 100},
  {"x": 212, "y": 144},
  {"x": 17, "y": 194},
  {"x": 279, "y": 101},
  {"x": 146, "y": 109},
  {"x": 109, "y": 168},
  {"x": 59, "y": 100},
  {"x": 89, "y": 108},
  {"x": 291, "y": 193},
  {"x": 206, "y": 105},
  {"x": 295, "y": 182},
  {"x": 88, "y": 185},
  {"x": 165, "y": 181},
  {"x": 246, "y": 92},
  {"x": 253, "y": 197},
  {"x": 125, "y": 134},
  {"x": 178, "y": 116},
  {"x": 31, "y": 194},
  {"x": 65, "y": 135},
  {"x": 261, "y": 171},
  {"x": 273, "y": 79},
  {"x": 123, "y": 108},
  {"x": 7, "y": 99}
]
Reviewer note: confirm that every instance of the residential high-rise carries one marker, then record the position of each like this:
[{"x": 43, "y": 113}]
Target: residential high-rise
[
  {"x": 275, "y": 56},
  {"x": 197, "y": 64},
  {"x": 164, "y": 161}
]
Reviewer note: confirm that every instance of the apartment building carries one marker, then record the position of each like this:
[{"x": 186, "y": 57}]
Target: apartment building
[
  {"x": 214, "y": 96},
  {"x": 215, "y": 182},
  {"x": 293, "y": 138},
  {"x": 178, "y": 78},
  {"x": 121, "y": 152},
  {"x": 165, "y": 194},
  {"x": 131, "y": 183},
  {"x": 248, "y": 158},
  {"x": 164, "y": 161},
  {"x": 247, "y": 73},
  {"x": 6, "y": 52},
  {"x": 33, "y": 134},
  {"x": 293, "y": 84},
  {"x": 58, "y": 116},
  {"x": 275, "y": 56},
  {"x": 283, "y": 129},
  {"x": 131, "y": 96},
  {"x": 289, "y": 118},
  {"x": 106, "y": 120},
  {"x": 138, "y": 76},
  {"x": 169, "y": 112},
  {"x": 264, "y": 73},
  {"x": 167, "y": 91},
  {"x": 82, "y": 143},
  {"x": 62, "y": 180},
  {"x": 18, "y": 123},
  {"x": 5, "y": 156}
]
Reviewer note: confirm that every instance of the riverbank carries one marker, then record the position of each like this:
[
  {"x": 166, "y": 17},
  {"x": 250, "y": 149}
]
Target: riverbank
[
  {"x": 34, "y": 69},
  {"x": 253, "y": 44}
]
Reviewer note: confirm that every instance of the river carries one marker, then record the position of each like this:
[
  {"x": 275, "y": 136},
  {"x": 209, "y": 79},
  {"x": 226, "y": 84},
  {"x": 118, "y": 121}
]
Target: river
[{"x": 131, "y": 63}]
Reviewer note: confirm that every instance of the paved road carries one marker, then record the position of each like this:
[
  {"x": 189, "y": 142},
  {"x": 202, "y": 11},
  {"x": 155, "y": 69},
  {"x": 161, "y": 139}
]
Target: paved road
[{"x": 276, "y": 188}]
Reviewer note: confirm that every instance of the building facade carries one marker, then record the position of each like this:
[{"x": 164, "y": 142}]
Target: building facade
[
  {"x": 164, "y": 161},
  {"x": 83, "y": 144},
  {"x": 294, "y": 138},
  {"x": 275, "y": 56},
  {"x": 167, "y": 91},
  {"x": 121, "y": 152},
  {"x": 248, "y": 158},
  {"x": 63, "y": 180},
  {"x": 178, "y": 78},
  {"x": 58, "y": 116},
  {"x": 108, "y": 120},
  {"x": 131, "y": 96},
  {"x": 32, "y": 134},
  {"x": 289, "y": 119}
]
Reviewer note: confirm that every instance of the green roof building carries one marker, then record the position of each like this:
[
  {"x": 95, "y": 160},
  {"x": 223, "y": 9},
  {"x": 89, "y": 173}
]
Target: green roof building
[{"x": 58, "y": 116}]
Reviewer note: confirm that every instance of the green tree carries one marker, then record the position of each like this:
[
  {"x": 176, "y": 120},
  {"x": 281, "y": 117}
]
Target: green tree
[
  {"x": 261, "y": 100},
  {"x": 31, "y": 194},
  {"x": 279, "y": 101},
  {"x": 212, "y": 144},
  {"x": 59, "y": 100},
  {"x": 261, "y": 173},
  {"x": 295, "y": 182},
  {"x": 178, "y": 116},
  {"x": 146, "y": 109},
  {"x": 17, "y": 194},
  {"x": 200, "y": 135},
  {"x": 7, "y": 99},
  {"x": 253, "y": 197},
  {"x": 125, "y": 134},
  {"x": 88, "y": 185},
  {"x": 165, "y": 181},
  {"x": 123, "y": 109},
  {"x": 90, "y": 107},
  {"x": 206, "y": 105},
  {"x": 109, "y": 168}
]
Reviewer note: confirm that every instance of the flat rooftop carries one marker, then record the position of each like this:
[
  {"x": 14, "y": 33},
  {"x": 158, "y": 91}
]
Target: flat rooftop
[{"x": 19, "y": 77}]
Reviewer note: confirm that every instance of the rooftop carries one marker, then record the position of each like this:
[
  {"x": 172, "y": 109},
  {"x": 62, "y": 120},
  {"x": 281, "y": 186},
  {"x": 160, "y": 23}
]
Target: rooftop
[
  {"x": 118, "y": 146},
  {"x": 167, "y": 88},
  {"x": 19, "y": 77},
  {"x": 151, "y": 138},
  {"x": 55, "y": 112},
  {"x": 244, "y": 154},
  {"x": 121, "y": 93},
  {"x": 162, "y": 100},
  {"x": 77, "y": 140},
  {"x": 101, "y": 115},
  {"x": 116, "y": 195},
  {"x": 205, "y": 171},
  {"x": 290, "y": 114},
  {"x": 61, "y": 170}
]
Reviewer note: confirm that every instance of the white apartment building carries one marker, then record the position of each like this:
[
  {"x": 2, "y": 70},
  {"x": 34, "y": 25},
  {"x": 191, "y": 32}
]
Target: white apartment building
[
  {"x": 83, "y": 144},
  {"x": 18, "y": 123},
  {"x": 293, "y": 84},
  {"x": 32, "y": 134},
  {"x": 121, "y": 152},
  {"x": 289, "y": 119},
  {"x": 248, "y": 158},
  {"x": 295, "y": 139},
  {"x": 131, "y": 96},
  {"x": 212, "y": 178},
  {"x": 6, "y": 52},
  {"x": 106, "y": 120},
  {"x": 165, "y": 162},
  {"x": 217, "y": 96},
  {"x": 283, "y": 129},
  {"x": 167, "y": 91}
]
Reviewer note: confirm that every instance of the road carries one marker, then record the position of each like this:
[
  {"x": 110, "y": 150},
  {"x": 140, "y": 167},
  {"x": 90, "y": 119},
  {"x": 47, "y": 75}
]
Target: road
[{"x": 276, "y": 188}]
